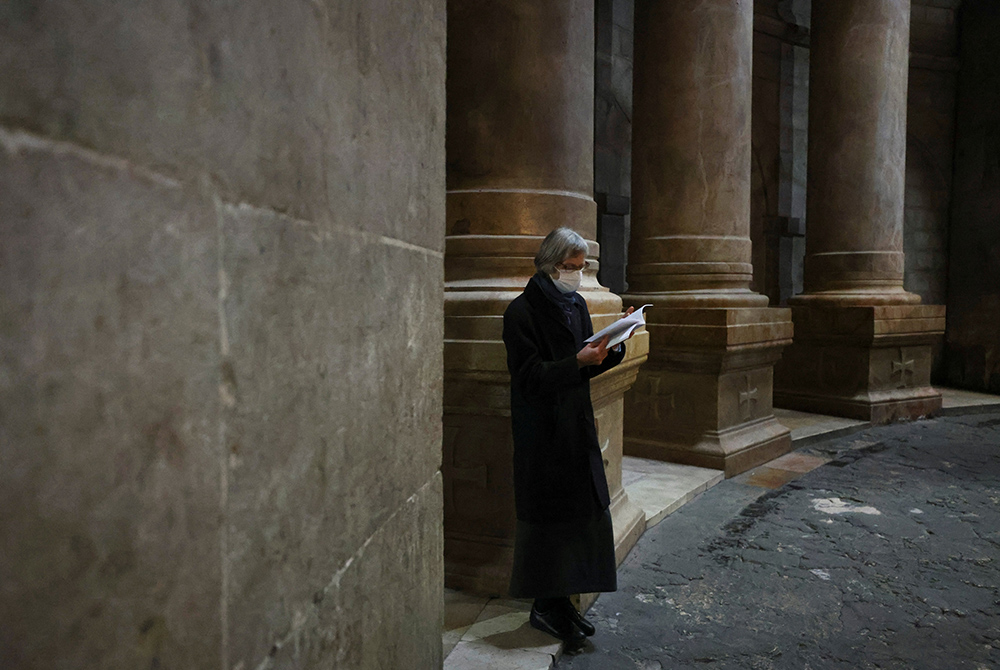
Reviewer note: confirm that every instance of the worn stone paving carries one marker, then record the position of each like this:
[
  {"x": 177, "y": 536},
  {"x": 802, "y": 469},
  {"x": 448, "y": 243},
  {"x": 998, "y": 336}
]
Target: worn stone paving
[{"x": 887, "y": 556}]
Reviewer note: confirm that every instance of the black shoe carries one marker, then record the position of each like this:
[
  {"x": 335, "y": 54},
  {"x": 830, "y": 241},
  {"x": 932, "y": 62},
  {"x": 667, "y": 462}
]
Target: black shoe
[
  {"x": 578, "y": 619},
  {"x": 556, "y": 623}
]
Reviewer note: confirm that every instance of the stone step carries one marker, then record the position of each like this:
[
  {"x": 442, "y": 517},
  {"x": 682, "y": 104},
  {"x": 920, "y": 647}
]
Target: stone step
[{"x": 661, "y": 488}]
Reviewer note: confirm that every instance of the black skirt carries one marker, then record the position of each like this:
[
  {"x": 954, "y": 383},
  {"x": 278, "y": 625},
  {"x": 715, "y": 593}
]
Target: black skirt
[{"x": 552, "y": 560}]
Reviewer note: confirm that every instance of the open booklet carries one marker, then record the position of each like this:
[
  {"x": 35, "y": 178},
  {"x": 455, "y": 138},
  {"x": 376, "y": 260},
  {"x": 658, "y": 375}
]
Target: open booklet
[{"x": 620, "y": 330}]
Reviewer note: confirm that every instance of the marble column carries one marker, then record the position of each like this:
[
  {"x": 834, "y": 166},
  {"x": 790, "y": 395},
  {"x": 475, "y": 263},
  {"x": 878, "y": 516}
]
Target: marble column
[
  {"x": 704, "y": 397},
  {"x": 520, "y": 103},
  {"x": 862, "y": 343}
]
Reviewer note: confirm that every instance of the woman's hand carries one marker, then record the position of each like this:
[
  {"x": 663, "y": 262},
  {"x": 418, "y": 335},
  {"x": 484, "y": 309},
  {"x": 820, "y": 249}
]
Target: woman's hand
[{"x": 593, "y": 354}]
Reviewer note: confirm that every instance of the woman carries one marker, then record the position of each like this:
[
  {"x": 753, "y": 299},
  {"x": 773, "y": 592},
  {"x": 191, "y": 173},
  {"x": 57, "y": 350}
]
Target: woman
[{"x": 564, "y": 542}]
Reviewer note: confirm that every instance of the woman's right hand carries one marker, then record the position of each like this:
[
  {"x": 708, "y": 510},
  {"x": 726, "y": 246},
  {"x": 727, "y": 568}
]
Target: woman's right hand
[{"x": 593, "y": 354}]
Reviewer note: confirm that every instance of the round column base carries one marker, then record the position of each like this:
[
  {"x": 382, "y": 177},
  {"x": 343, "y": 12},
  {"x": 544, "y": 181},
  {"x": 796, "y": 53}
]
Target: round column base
[
  {"x": 729, "y": 298},
  {"x": 856, "y": 298}
]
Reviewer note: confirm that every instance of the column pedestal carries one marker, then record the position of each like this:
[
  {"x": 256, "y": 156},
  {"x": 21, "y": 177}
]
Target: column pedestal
[
  {"x": 871, "y": 363},
  {"x": 704, "y": 396}
]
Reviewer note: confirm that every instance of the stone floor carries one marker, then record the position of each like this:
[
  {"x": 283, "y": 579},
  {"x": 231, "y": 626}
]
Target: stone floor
[
  {"x": 808, "y": 428},
  {"x": 957, "y": 402},
  {"x": 884, "y": 558},
  {"x": 483, "y": 633},
  {"x": 661, "y": 488}
]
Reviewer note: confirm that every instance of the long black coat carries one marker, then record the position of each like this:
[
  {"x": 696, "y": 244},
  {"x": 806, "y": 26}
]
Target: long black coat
[{"x": 558, "y": 468}]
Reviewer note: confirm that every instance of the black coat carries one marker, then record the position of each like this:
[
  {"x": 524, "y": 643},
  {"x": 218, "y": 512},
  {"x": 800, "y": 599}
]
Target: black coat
[{"x": 558, "y": 467}]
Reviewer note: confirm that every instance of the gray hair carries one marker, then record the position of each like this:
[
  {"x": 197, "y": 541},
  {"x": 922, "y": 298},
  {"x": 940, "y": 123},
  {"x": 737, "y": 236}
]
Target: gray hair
[{"x": 557, "y": 246}]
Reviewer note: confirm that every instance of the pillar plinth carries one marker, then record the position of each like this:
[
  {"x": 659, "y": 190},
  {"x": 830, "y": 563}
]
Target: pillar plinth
[
  {"x": 855, "y": 319},
  {"x": 704, "y": 396},
  {"x": 863, "y": 362},
  {"x": 520, "y": 163}
]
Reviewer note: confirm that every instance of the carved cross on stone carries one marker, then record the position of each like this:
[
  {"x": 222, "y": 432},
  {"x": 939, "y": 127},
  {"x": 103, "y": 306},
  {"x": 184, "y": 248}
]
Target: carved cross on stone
[
  {"x": 652, "y": 396},
  {"x": 746, "y": 397},
  {"x": 901, "y": 367}
]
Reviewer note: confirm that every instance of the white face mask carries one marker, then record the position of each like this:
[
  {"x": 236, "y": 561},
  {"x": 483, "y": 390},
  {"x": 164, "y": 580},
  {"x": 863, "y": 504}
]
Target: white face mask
[{"x": 568, "y": 281}]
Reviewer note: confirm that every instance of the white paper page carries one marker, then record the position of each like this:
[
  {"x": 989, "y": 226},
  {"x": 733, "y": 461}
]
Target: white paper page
[{"x": 620, "y": 330}]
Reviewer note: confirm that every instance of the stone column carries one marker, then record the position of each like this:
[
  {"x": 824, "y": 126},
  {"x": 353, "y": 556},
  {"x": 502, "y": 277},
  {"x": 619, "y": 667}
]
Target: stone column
[
  {"x": 520, "y": 104},
  {"x": 862, "y": 343},
  {"x": 704, "y": 397}
]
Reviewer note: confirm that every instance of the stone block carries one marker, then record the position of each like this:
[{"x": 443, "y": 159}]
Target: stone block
[
  {"x": 611, "y": 233},
  {"x": 621, "y": 85},
  {"x": 383, "y": 609},
  {"x": 704, "y": 396},
  {"x": 867, "y": 363},
  {"x": 716, "y": 329},
  {"x": 624, "y": 13},
  {"x": 607, "y": 397},
  {"x": 724, "y": 423},
  {"x": 109, "y": 367},
  {"x": 154, "y": 394},
  {"x": 625, "y": 44},
  {"x": 941, "y": 16},
  {"x": 292, "y": 108},
  {"x": 478, "y": 497},
  {"x": 324, "y": 412},
  {"x": 603, "y": 27}
]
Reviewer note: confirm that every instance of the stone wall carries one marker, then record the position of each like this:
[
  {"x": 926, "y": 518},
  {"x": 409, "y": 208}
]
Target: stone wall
[
  {"x": 930, "y": 137},
  {"x": 780, "y": 135},
  {"x": 930, "y": 141},
  {"x": 613, "y": 136},
  {"x": 221, "y": 248},
  {"x": 973, "y": 332}
]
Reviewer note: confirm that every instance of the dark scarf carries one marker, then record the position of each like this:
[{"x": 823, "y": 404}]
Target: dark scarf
[{"x": 566, "y": 302}]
